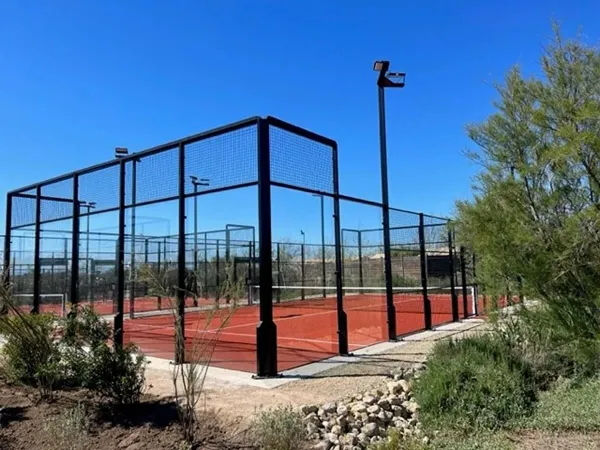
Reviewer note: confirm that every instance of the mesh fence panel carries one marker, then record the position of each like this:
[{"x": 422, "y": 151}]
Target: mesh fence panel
[
  {"x": 157, "y": 176},
  {"x": 226, "y": 160},
  {"x": 101, "y": 187},
  {"x": 301, "y": 162},
  {"x": 23, "y": 211},
  {"x": 57, "y": 209}
]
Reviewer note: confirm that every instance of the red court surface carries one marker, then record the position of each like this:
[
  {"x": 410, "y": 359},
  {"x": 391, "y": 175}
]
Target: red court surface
[{"x": 306, "y": 329}]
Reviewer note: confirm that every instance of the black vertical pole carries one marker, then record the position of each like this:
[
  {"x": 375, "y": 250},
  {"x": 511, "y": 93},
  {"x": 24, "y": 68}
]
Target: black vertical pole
[
  {"x": 146, "y": 264},
  {"x": 118, "y": 320},
  {"x": 302, "y": 272},
  {"x": 361, "y": 281},
  {"x": 160, "y": 276},
  {"x": 227, "y": 263},
  {"x": 205, "y": 290},
  {"x": 266, "y": 331},
  {"x": 52, "y": 287},
  {"x": 7, "y": 238},
  {"x": 342, "y": 318},
  {"x": 323, "y": 260},
  {"x": 181, "y": 294},
  {"x": 36, "y": 251},
  {"x": 391, "y": 309},
  {"x": 463, "y": 268},
  {"x": 423, "y": 258},
  {"x": 279, "y": 283},
  {"x": 92, "y": 281},
  {"x": 66, "y": 254},
  {"x": 455, "y": 317},
  {"x": 218, "y": 278}
]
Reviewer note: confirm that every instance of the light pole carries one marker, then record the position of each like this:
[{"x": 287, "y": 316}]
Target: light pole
[
  {"x": 324, "y": 271},
  {"x": 197, "y": 182},
  {"x": 392, "y": 80},
  {"x": 89, "y": 206}
]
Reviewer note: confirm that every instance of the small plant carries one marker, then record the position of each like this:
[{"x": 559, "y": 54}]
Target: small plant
[
  {"x": 280, "y": 429},
  {"x": 117, "y": 374},
  {"x": 68, "y": 431},
  {"x": 475, "y": 383}
]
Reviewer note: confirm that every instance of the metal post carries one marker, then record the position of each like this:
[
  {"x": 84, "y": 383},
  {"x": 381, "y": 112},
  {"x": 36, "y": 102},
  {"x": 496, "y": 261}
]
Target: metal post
[
  {"x": 463, "y": 268},
  {"x": 87, "y": 254},
  {"x": 66, "y": 253},
  {"x": 205, "y": 267},
  {"x": 266, "y": 331},
  {"x": 279, "y": 283},
  {"x": 159, "y": 298},
  {"x": 476, "y": 293},
  {"x": 181, "y": 294},
  {"x": 7, "y": 239},
  {"x": 227, "y": 264},
  {"x": 423, "y": 258},
  {"x": 146, "y": 264},
  {"x": 132, "y": 266},
  {"x": 323, "y": 260},
  {"x": 391, "y": 309},
  {"x": 361, "y": 281},
  {"x": 455, "y": 316},
  {"x": 342, "y": 318},
  {"x": 36, "y": 251},
  {"x": 196, "y": 244},
  {"x": 118, "y": 320},
  {"x": 302, "y": 272},
  {"x": 218, "y": 277}
]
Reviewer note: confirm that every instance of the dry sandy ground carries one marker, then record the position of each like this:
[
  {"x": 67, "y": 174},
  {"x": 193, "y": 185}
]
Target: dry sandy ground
[{"x": 238, "y": 401}]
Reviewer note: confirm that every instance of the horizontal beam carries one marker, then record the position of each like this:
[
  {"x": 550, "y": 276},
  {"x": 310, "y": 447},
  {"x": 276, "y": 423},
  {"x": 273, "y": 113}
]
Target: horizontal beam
[
  {"x": 44, "y": 197},
  {"x": 300, "y": 131}
]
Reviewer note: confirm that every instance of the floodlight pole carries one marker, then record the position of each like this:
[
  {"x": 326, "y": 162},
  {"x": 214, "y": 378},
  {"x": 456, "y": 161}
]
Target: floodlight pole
[{"x": 382, "y": 82}]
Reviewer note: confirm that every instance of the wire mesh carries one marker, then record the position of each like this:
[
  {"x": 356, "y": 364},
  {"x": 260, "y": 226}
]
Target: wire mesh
[
  {"x": 301, "y": 162},
  {"x": 157, "y": 177},
  {"x": 23, "y": 211},
  {"x": 62, "y": 206},
  {"x": 102, "y": 187}
]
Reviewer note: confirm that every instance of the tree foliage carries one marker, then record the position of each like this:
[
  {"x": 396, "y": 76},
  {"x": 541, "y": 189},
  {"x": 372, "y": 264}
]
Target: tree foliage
[{"x": 534, "y": 220}]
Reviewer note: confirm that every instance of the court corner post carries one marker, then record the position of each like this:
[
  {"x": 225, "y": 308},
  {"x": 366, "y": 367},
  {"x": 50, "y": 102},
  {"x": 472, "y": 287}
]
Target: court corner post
[
  {"x": 342, "y": 318},
  {"x": 7, "y": 241},
  {"x": 36, "y": 251},
  {"x": 74, "y": 294},
  {"x": 423, "y": 261},
  {"x": 118, "y": 320},
  {"x": 266, "y": 331},
  {"x": 181, "y": 272}
]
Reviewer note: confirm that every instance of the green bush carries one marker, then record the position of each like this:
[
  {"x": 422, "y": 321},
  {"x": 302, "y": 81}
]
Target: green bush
[
  {"x": 475, "y": 383},
  {"x": 117, "y": 374},
  {"x": 280, "y": 429},
  {"x": 30, "y": 352}
]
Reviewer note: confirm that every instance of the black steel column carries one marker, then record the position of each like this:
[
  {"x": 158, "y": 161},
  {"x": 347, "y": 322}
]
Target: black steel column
[
  {"x": 423, "y": 257},
  {"x": 323, "y": 260},
  {"x": 36, "y": 251},
  {"x": 146, "y": 264},
  {"x": 279, "y": 283},
  {"x": 205, "y": 290},
  {"x": 7, "y": 238},
  {"x": 476, "y": 286},
  {"x": 361, "y": 282},
  {"x": 266, "y": 331},
  {"x": 181, "y": 293},
  {"x": 132, "y": 266},
  {"x": 455, "y": 317},
  {"x": 118, "y": 320},
  {"x": 160, "y": 277},
  {"x": 463, "y": 268},
  {"x": 227, "y": 265},
  {"x": 218, "y": 278},
  {"x": 391, "y": 309},
  {"x": 342, "y": 318},
  {"x": 74, "y": 297},
  {"x": 302, "y": 272}
]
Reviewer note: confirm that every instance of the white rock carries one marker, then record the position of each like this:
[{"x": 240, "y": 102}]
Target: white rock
[
  {"x": 375, "y": 439},
  {"x": 332, "y": 438},
  {"x": 381, "y": 416},
  {"x": 355, "y": 431},
  {"x": 362, "y": 438},
  {"x": 349, "y": 439},
  {"x": 321, "y": 412},
  {"x": 398, "y": 376},
  {"x": 364, "y": 417},
  {"x": 372, "y": 418},
  {"x": 373, "y": 409},
  {"x": 412, "y": 422},
  {"x": 358, "y": 408},
  {"x": 337, "y": 447},
  {"x": 323, "y": 445},
  {"x": 376, "y": 393},
  {"x": 329, "y": 408},
  {"x": 336, "y": 429},
  {"x": 342, "y": 410},
  {"x": 425, "y": 440},
  {"x": 311, "y": 428},
  {"x": 405, "y": 385},
  {"x": 326, "y": 425},
  {"x": 394, "y": 387},
  {"x": 370, "y": 429},
  {"x": 369, "y": 399},
  {"x": 412, "y": 407},
  {"x": 307, "y": 409},
  {"x": 358, "y": 424},
  {"x": 313, "y": 418}
]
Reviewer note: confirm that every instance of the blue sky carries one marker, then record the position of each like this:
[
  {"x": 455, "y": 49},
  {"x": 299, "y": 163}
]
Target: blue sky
[{"x": 80, "y": 78}]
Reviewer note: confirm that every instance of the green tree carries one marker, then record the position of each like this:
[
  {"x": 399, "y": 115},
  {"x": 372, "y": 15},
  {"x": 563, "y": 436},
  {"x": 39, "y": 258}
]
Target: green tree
[{"x": 534, "y": 219}]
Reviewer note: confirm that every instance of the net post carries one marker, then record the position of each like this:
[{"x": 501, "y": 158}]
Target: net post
[
  {"x": 181, "y": 294},
  {"x": 423, "y": 260},
  {"x": 476, "y": 289},
  {"x": 463, "y": 275},
  {"x": 74, "y": 292},
  {"x": 342, "y": 318},
  {"x": 118, "y": 320},
  {"x": 455, "y": 316},
  {"x": 7, "y": 249},
  {"x": 146, "y": 264},
  {"x": 302, "y": 272},
  {"x": 279, "y": 281},
  {"x": 266, "y": 331},
  {"x": 36, "y": 251},
  {"x": 158, "y": 269}
]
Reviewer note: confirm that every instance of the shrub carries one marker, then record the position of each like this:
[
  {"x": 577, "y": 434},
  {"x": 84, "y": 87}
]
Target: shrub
[
  {"x": 475, "y": 383},
  {"x": 117, "y": 374},
  {"x": 68, "y": 431},
  {"x": 395, "y": 441},
  {"x": 280, "y": 429},
  {"x": 30, "y": 352}
]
